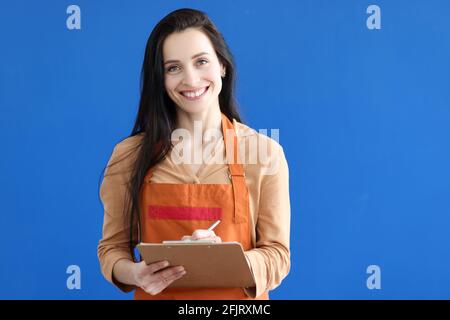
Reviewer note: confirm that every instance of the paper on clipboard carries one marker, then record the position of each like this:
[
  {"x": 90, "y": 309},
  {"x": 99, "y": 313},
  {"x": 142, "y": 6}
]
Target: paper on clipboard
[{"x": 187, "y": 241}]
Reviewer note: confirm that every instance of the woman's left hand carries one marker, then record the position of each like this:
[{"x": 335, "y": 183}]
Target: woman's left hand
[{"x": 201, "y": 234}]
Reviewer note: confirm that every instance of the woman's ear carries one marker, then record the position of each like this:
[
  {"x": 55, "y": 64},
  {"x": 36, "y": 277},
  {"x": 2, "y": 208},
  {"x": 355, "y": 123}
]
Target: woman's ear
[{"x": 223, "y": 71}]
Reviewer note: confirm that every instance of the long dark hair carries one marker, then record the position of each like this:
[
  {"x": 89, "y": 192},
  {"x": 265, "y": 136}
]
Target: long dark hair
[{"x": 156, "y": 116}]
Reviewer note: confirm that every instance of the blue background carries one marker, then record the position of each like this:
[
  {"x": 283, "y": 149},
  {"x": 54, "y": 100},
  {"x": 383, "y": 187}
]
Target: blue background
[{"x": 364, "y": 119}]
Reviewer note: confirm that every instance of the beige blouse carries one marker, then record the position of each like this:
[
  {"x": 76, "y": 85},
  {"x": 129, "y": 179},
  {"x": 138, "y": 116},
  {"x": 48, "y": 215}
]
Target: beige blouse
[{"x": 267, "y": 178}]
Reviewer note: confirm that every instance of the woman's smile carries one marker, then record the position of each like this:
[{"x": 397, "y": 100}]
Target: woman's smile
[{"x": 193, "y": 95}]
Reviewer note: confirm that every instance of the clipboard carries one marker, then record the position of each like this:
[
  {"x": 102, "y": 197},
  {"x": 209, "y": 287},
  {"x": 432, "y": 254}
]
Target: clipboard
[{"x": 207, "y": 265}]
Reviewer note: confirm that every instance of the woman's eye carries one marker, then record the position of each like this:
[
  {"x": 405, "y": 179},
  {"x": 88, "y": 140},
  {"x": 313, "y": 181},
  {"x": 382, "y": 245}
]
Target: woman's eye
[
  {"x": 202, "y": 61},
  {"x": 176, "y": 68},
  {"x": 172, "y": 68}
]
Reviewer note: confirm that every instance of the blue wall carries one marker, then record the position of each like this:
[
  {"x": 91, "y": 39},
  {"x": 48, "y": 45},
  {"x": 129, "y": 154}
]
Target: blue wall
[{"x": 364, "y": 118}]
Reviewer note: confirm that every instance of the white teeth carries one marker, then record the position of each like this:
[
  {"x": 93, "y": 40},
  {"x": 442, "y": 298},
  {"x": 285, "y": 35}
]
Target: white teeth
[{"x": 194, "y": 94}]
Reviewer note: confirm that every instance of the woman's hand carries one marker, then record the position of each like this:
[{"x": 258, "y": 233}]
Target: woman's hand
[
  {"x": 155, "y": 277},
  {"x": 201, "y": 234}
]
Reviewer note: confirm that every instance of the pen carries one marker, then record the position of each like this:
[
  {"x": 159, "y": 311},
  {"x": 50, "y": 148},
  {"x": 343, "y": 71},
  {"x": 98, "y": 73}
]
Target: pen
[{"x": 211, "y": 228}]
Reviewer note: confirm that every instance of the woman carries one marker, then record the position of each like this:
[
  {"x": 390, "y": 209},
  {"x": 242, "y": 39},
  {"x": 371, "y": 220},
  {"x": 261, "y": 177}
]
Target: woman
[{"x": 155, "y": 188}]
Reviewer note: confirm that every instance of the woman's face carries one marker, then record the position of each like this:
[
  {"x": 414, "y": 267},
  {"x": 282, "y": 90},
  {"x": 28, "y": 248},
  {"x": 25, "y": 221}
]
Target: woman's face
[{"x": 192, "y": 71}]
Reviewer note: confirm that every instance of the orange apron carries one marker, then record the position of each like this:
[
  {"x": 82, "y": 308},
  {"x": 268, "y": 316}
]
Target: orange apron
[{"x": 170, "y": 211}]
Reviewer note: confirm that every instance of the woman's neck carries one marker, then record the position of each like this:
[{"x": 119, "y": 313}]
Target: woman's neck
[
  {"x": 194, "y": 140},
  {"x": 208, "y": 119}
]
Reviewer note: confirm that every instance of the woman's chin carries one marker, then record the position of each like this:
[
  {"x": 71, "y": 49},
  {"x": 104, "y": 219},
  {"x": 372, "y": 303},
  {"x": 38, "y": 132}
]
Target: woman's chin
[{"x": 193, "y": 108}]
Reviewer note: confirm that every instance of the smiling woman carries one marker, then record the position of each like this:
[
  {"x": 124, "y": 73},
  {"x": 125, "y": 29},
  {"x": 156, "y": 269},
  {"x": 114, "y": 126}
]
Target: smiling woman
[
  {"x": 195, "y": 76},
  {"x": 188, "y": 79}
]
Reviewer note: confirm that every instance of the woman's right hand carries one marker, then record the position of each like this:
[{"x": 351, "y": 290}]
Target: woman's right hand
[{"x": 155, "y": 277}]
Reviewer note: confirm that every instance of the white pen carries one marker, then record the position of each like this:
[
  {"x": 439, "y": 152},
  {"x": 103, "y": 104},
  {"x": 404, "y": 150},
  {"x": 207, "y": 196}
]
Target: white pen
[{"x": 211, "y": 228}]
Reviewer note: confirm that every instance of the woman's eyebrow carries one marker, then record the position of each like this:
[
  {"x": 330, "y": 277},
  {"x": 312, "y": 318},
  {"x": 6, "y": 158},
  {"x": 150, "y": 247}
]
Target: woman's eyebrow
[{"x": 193, "y": 57}]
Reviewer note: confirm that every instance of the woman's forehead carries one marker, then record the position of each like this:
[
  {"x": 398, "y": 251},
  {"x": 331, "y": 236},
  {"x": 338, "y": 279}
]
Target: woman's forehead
[{"x": 185, "y": 44}]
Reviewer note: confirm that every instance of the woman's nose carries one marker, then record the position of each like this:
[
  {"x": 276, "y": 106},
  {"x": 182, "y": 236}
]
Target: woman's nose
[{"x": 191, "y": 77}]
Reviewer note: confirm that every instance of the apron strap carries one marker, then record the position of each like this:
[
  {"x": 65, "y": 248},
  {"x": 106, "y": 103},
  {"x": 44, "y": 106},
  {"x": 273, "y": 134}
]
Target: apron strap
[{"x": 236, "y": 171}]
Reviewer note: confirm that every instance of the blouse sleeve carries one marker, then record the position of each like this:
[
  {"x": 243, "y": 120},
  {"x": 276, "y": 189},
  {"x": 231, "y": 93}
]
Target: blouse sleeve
[
  {"x": 114, "y": 244},
  {"x": 270, "y": 259}
]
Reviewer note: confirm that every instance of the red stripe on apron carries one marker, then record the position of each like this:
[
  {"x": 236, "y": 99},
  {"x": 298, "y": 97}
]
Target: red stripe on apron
[{"x": 184, "y": 213}]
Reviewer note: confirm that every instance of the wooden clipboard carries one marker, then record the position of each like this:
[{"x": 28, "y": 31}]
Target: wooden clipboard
[{"x": 207, "y": 265}]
